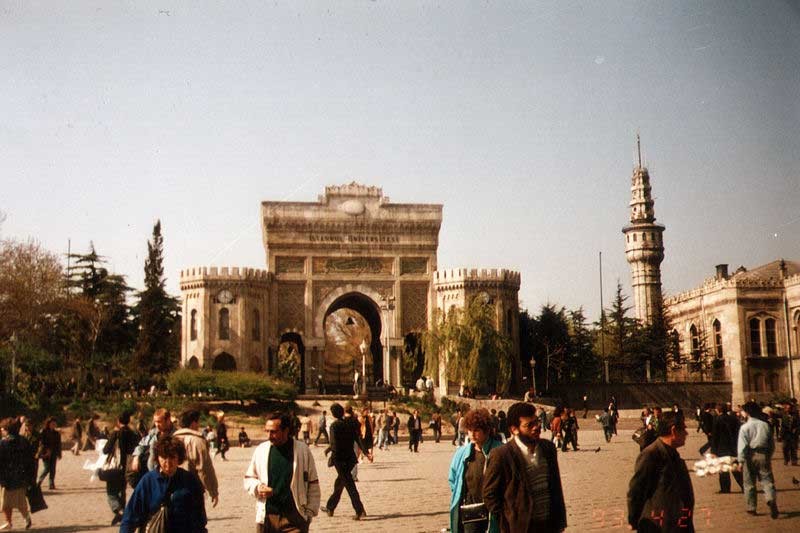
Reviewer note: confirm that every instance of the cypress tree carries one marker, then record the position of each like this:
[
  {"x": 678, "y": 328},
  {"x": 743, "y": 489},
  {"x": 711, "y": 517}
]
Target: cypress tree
[{"x": 157, "y": 347}]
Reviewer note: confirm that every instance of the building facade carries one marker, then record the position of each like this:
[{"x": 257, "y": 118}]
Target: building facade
[
  {"x": 742, "y": 327},
  {"x": 352, "y": 273}
]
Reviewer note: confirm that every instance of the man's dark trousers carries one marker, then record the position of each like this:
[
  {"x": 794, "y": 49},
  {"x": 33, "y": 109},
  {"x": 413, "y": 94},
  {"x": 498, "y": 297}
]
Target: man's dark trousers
[
  {"x": 725, "y": 480},
  {"x": 344, "y": 480},
  {"x": 413, "y": 440}
]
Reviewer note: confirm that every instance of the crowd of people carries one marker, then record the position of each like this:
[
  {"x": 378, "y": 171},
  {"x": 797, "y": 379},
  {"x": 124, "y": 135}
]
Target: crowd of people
[{"x": 504, "y": 474}]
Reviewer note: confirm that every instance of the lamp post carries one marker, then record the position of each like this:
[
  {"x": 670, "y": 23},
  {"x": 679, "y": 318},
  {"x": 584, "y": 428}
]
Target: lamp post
[
  {"x": 363, "y": 346},
  {"x": 533, "y": 374},
  {"x": 13, "y": 340},
  {"x": 387, "y": 307}
]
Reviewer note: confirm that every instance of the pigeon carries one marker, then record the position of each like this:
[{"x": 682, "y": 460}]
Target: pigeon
[
  {"x": 795, "y": 481},
  {"x": 597, "y": 450}
]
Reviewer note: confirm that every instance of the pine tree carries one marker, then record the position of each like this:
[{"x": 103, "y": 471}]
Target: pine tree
[
  {"x": 157, "y": 347},
  {"x": 582, "y": 362}
]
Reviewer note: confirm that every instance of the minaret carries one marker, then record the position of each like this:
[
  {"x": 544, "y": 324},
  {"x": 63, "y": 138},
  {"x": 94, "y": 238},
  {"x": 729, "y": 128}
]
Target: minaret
[{"x": 644, "y": 246}]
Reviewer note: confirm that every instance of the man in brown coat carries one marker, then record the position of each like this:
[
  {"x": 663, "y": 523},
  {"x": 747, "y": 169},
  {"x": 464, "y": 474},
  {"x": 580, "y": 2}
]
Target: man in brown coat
[
  {"x": 522, "y": 483},
  {"x": 660, "y": 495},
  {"x": 198, "y": 460}
]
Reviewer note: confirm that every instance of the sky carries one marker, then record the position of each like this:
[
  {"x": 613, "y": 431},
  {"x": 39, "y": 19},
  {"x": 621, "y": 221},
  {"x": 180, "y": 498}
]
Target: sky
[{"x": 519, "y": 117}]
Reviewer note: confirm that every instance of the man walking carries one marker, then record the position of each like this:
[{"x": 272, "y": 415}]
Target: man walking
[
  {"x": 755, "y": 450},
  {"x": 522, "y": 483},
  {"x": 344, "y": 438},
  {"x": 77, "y": 436},
  {"x": 122, "y": 443},
  {"x": 724, "y": 438},
  {"x": 322, "y": 428},
  {"x": 283, "y": 479},
  {"x": 198, "y": 458},
  {"x": 789, "y": 432},
  {"x": 145, "y": 450},
  {"x": 660, "y": 493},
  {"x": 414, "y": 431}
]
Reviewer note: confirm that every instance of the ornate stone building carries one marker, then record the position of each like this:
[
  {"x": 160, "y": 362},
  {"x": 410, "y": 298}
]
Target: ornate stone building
[
  {"x": 743, "y": 327},
  {"x": 352, "y": 250},
  {"x": 456, "y": 288},
  {"x": 644, "y": 244}
]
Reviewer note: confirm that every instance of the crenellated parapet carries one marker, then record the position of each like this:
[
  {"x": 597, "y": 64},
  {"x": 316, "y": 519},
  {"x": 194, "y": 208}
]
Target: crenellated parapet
[
  {"x": 195, "y": 277},
  {"x": 712, "y": 284},
  {"x": 486, "y": 277}
]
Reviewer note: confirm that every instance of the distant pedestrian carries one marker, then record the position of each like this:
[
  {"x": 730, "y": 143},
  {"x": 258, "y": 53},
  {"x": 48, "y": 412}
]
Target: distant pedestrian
[
  {"x": 17, "y": 467},
  {"x": 244, "y": 439},
  {"x": 50, "y": 452},
  {"x": 789, "y": 432},
  {"x": 502, "y": 426},
  {"x": 414, "y": 431},
  {"x": 724, "y": 439},
  {"x": 305, "y": 428},
  {"x": 385, "y": 423},
  {"x": 223, "y": 445},
  {"x": 436, "y": 426},
  {"x": 120, "y": 445},
  {"x": 660, "y": 493},
  {"x": 706, "y": 425},
  {"x": 606, "y": 422},
  {"x": 322, "y": 428},
  {"x": 585, "y": 404},
  {"x": 754, "y": 452},
  {"x": 77, "y": 436},
  {"x": 395, "y": 427}
]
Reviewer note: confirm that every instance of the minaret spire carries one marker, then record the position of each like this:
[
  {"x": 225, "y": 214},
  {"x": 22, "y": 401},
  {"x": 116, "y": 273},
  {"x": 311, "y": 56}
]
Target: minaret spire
[
  {"x": 639, "y": 149},
  {"x": 644, "y": 247}
]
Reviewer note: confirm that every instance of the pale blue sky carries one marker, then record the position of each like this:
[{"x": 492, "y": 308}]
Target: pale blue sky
[{"x": 519, "y": 117}]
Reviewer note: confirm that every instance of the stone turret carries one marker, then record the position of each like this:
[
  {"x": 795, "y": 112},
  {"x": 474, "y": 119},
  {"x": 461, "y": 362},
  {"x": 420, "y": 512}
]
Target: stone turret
[{"x": 644, "y": 245}]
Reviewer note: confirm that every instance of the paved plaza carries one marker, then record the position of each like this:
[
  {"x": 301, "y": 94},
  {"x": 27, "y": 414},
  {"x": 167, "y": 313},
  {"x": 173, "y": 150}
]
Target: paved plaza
[{"x": 407, "y": 492}]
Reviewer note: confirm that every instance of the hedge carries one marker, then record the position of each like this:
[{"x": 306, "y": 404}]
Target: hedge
[{"x": 229, "y": 385}]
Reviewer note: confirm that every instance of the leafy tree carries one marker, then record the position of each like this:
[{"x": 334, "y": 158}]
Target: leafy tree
[
  {"x": 551, "y": 342},
  {"x": 31, "y": 290},
  {"x": 157, "y": 347},
  {"x": 475, "y": 352},
  {"x": 582, "y": 361}
]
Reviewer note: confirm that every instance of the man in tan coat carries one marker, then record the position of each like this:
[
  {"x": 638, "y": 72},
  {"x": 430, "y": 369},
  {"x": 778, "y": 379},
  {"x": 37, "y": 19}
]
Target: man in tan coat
[{"x": 198, "y": 460}]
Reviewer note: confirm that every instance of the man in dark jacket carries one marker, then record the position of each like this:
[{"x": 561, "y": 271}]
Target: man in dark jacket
[
  {"x": 660, "y": 494},
  {"x": 522, "y": 483},
  {"x": 121, "y": 443},
  {"x": 50, "y": 451},
  {"x": 344, "y": 437},
  {"x": 724, "y": 438},
  {"x": 414, "y": 431}
]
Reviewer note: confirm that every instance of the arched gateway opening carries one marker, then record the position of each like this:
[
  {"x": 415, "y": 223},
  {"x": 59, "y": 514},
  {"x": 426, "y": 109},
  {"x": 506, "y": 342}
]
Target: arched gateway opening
[{"x": 352, "y": 323}]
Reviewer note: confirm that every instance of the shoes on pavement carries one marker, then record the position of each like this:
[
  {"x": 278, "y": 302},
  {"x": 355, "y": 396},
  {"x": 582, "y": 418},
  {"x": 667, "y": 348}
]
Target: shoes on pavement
[
  {"x": 360, "y": 516},
  {"x": 7, "y": 525},
  {"x": 753, "y": 512},
  {"x": 117, "y": 519},
  {"x": 773, "y": 509},
  {"x": 327, "y": 511},
  {"x": 28, "y": 522}
]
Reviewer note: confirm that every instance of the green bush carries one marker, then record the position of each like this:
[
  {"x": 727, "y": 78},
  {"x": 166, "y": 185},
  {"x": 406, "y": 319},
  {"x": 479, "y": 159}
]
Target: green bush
[{"x": 238, "y": 386}]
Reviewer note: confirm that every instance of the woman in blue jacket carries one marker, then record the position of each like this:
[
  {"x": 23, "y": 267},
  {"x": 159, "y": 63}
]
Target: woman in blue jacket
[
  {"x": 180, "y": 490},
  {"x": 466, "y": 476}
]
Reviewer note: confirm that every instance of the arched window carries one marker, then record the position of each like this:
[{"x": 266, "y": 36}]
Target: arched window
[
  {"x": 194, "y": 363},
  {"x": 224, "y": 324},
  {"x": 755, "y": 337},
  {"x": 193, "y": 326},
  {"x": 256, "y": 325},
  {"x": 772, "y": 337},
  {"x": 717, "y": 339},
  {"x": 695, "y": 337},
  {"x": 773, "y": 382},
  {"x": 758, "y": 383}
]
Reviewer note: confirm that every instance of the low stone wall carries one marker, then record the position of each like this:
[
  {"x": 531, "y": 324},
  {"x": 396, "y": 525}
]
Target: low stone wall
[{"x": 636, "y": 395}]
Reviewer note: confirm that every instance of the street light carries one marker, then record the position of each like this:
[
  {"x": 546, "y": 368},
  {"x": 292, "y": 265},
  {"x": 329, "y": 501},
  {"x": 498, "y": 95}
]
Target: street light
[
  {"x": 533, "y": 374},
  {"x": 363, "y": 347}
]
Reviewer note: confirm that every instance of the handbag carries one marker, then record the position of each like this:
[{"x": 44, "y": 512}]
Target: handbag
[
  {"x": 473, "y": 513},
  {"x": 112, "y": 467},
  {"x": 638, "y": 435},
  {"x": 35, "y": 498},
  {"x": 159, "y": 521}
]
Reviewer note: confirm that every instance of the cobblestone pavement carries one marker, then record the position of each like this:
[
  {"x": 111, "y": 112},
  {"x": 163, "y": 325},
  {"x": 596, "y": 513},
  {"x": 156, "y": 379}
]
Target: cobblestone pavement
[{"x": 407, "y": 492}]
